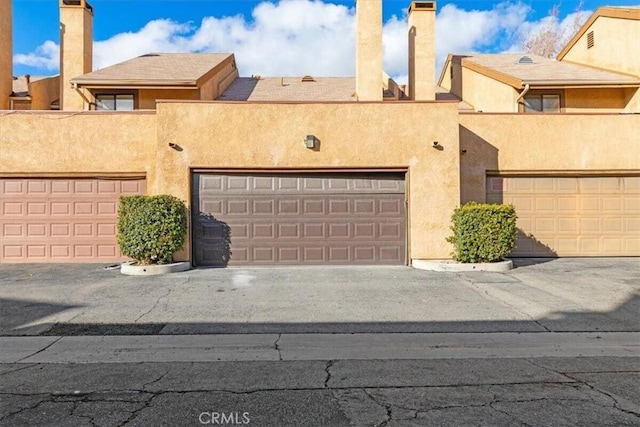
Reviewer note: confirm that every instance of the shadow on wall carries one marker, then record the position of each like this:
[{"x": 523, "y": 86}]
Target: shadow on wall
[
  {"x": 529, "y": 246},
  {"x": 211, "y": 240},
  {"x": 477, "y": 156}
]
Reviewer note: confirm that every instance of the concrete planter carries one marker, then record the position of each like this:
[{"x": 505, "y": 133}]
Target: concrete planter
[
  {"x": 455, "y": 267},
  {"x": 133, "y": 269}
]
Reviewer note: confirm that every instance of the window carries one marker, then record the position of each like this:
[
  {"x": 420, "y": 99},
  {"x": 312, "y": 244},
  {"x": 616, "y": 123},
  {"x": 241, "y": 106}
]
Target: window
[
  {"x": 115, "y": 102},
  {"x": 542, "y": 103}
]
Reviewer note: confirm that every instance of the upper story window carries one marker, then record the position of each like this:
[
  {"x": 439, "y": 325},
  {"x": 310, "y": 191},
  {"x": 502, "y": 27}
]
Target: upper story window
[
  {"x": 549, "y": 103},
  {"x": 115, "y": 102}
]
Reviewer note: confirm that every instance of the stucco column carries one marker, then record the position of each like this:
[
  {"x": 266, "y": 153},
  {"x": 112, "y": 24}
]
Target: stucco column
[
  {"x": 369, "y": 50},
  {"x": 76, "y": 49},
  {"x": 6, "y": 53},
  {"x": 422, "y": 51}
]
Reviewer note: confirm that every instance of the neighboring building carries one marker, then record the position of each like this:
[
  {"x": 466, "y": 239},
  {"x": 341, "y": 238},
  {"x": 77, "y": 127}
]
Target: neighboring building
[
  {"x": 320, "y": 170},
  {"x": 528, "y": 83}
]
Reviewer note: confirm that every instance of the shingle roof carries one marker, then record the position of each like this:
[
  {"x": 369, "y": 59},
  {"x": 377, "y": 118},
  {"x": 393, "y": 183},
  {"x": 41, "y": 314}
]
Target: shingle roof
[
  {"x": 515, "y": 70},
  {"x": 176, "y": 69},
  {"x": 291, "y": 89}
]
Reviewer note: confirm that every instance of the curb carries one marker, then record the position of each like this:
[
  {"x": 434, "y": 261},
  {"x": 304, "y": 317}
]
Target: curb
[
  {"x": 454, "y": 267},
  {"x": 131, "y": 269}
]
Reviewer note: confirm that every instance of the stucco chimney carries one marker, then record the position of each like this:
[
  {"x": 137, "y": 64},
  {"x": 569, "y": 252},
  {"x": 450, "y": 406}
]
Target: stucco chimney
[
  {"x": 422, "y": 50},
  {"x": 6, "y": 53},
  {"x": 369, "y": 50},
  {"x": 76, "y": 49}
]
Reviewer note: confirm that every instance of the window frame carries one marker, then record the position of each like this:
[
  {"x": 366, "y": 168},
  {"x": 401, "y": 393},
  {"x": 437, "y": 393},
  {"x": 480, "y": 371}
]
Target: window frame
[
  {"x": 540, "y": 94},
  {"x": 114, "y": 95}
]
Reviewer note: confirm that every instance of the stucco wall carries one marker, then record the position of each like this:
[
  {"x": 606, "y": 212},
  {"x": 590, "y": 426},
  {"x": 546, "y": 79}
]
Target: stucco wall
[
  {"x": 77, "y": 143},
  {"x": 545, "y": 144},
  {"x": 6, "y": 54},
  {"x": 597, "y": 100},
  {"x": 44, "y": 92},
  {"x": 76, "y": 50},
  {"x": 613, "y": 47},
  {"x": 147, "y": 97},
  {"x": 486, "y": 94},
  {"x": 353, "y": 135},
  {"x": 220, "y": 81}
]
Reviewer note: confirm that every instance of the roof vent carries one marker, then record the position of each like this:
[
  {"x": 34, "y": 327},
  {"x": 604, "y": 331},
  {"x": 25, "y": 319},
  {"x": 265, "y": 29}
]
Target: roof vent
[
  {"x": 525, "y": 60},
  {"x": 590, "y": 40},
  {"x": 149, "y": 55},
  {"x": 306, "y": 79}
]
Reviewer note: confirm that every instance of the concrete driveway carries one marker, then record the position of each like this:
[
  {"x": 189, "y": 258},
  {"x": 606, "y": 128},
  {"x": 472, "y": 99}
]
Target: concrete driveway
[{"x": 596, "y": 294}]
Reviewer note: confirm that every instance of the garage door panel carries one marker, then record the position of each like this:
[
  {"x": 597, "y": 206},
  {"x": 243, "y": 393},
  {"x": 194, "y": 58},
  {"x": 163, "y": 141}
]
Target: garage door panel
[
  {"x": 572, "y": 216},
  {"x": 61, "y": 220},
  {"x": 300, "y": 219}
]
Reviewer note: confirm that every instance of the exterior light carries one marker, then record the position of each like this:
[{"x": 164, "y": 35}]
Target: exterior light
[{"x": 310, "y": 141}]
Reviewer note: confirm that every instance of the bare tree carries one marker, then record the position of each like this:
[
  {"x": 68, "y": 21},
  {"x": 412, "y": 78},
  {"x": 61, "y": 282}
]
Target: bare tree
[{"x": 549, "y": 39}]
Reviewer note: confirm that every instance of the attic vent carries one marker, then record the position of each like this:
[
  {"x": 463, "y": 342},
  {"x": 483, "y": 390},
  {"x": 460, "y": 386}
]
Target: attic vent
[
  {"x": 590, "y": 41},
  {"x": 525, "y": 60},
  {"x": 149, "y": 55},
  {"x": 306, "y": 79}
]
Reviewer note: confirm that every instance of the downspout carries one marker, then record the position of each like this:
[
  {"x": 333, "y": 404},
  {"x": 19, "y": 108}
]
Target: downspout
[{"x": 522, "y": 94}]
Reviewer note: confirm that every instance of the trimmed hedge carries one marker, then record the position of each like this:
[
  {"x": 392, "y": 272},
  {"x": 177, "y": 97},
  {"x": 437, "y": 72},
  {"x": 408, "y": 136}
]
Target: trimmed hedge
[
  {"x": 151, "y": 228},
  {"x": 483, "y": 232}
]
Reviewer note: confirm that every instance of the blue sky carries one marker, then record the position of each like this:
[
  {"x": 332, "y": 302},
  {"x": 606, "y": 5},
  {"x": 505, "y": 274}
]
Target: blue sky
[{"x": 265, "y": 38}]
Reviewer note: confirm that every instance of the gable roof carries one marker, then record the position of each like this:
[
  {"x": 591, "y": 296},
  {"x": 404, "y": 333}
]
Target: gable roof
[
  {"x": 607, "y": 12},
  {"x": 321, "y": 89},
  {"x": 21, "y": 85},
  {"x": 518, "y": 70},
  {"x": 156, "y": 69}
]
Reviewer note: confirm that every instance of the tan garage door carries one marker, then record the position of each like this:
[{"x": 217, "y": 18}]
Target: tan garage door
[
  {"x": 299, "y": 219},
  {"x": 571, "y": 216},
  {"x": 61, "y": 220}
]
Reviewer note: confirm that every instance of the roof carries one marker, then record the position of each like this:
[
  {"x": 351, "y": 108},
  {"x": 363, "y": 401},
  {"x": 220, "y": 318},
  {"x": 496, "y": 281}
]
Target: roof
[
  {"x": 291, "y": 89},
  {"x": 632, "y": 13},
  {"x": 21, "y": 87},
  {"x": 156, "y": 69},
  {"x": 519, "y": 69}
]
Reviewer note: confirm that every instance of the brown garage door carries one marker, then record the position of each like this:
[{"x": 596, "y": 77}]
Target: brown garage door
[
  {"x": 299, "y": 219},
  {"x": 573, "y": 216},
  {"x": 61, "y": 220}
]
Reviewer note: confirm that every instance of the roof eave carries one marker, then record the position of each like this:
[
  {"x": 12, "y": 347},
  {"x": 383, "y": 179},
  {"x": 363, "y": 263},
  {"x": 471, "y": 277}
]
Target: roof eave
[
  {"x": 577, "y": 84},
  {"x": 135, "y": 84}
]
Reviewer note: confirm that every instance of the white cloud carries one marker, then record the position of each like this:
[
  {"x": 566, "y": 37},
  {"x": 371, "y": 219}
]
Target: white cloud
[
  {"x": 298, "y": 37},
  {"x": 46, "y": 56}
]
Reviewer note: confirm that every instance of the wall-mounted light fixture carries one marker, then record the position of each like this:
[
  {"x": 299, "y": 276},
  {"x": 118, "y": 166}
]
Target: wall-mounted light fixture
[
  {"x": 311, "y": 142},
  {"x": 437, "y": 146},
  {"x": 175, "y": 146}
]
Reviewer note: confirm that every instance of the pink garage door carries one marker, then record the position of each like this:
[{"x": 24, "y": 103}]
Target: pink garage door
[
  {"x": 61, "y": 220},
  {"x": 261, "y": 219}
]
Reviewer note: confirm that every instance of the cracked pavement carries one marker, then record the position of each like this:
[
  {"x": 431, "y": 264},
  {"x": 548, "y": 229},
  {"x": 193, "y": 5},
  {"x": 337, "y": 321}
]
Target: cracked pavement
[{"x": 333, "y": 393}]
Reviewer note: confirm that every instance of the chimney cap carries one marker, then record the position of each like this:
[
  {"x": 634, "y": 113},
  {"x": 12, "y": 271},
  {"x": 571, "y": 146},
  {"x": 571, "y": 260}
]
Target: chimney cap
[
  {"x": 418, "y": 6},
  {"x": 81, "y": 3}
]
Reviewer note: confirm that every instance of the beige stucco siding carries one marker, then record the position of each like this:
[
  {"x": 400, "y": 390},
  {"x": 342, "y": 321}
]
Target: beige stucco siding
[
  {"x": 147, "y": 97},
  {"x": 44, "y": 92},
  {"x": 352, "y": 135},
  {"x": 545, "y": 144},
  {"x": 613, "y": 47},
  {"x": 80, "y": 143},
  {"x": 219, "y": 81},
  {"x": 613, "y": 100},
  {"x": 486, "y": 94}
]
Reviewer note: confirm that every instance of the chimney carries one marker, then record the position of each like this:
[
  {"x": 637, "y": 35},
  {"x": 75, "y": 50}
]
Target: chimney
[
  {"x": 76, "y": 49},
  {"x": 369, "y": 50},
  {"x": 6, "y": 54},
  {"x": 422, "y": 51}
]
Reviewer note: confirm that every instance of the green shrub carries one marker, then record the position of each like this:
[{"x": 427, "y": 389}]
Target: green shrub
[
  {"x": 483, "y": 232},
  {"x": 151, "y": 228}
]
